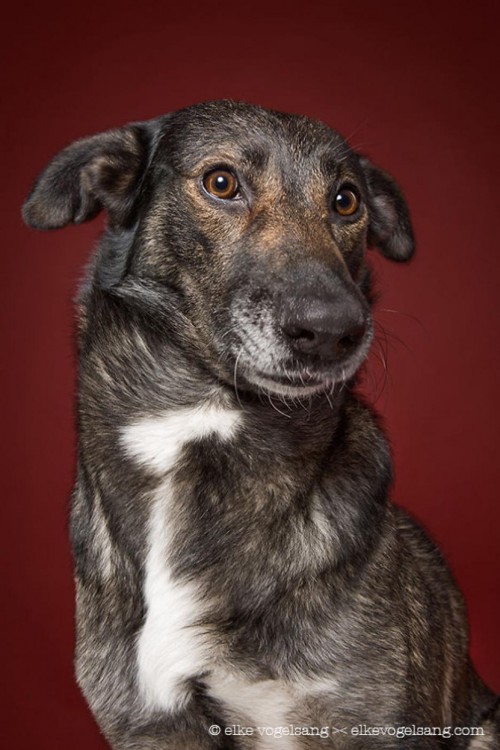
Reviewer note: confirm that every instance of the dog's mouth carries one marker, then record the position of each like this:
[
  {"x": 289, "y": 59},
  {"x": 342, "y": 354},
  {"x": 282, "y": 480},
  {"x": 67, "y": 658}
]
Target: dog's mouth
[
  {"x": 295, "y": 379},
  {"x": 293, "y": 385}
]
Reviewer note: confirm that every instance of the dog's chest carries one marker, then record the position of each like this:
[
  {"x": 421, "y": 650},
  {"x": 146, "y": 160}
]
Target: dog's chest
[
  {"x": 175, "y": 646},
  {"x": 172, "y": 647}
]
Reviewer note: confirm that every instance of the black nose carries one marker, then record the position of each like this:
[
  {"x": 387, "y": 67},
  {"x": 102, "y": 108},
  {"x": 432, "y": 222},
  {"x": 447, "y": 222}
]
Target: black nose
[{"x": 331, "y": 328}]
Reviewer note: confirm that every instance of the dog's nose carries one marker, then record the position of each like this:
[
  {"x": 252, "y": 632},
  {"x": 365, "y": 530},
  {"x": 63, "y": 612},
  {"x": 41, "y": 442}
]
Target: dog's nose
[{"x": 330, "y": 328}]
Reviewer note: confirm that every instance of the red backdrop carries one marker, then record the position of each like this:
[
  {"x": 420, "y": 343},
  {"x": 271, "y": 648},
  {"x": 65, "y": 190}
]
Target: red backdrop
[{"x": 415, "y": 87}]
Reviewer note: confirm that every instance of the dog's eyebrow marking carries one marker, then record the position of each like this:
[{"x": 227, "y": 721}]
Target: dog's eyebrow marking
[
  {"x": 172, "y": 647},
  {"x": 332, "y": 165},
  {"x": 255, "y": 156},
  {"x": 249, "y": 157},
  {"x": 211, "y": 158}
]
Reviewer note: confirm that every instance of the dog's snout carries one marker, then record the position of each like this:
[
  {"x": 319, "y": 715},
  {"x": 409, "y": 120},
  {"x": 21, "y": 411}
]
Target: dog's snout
[{"x": 329, "y": 328}]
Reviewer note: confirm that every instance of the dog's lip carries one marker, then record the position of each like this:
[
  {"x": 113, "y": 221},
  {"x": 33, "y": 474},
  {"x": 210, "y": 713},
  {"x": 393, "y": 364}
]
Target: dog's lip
[
  {"x": 304, "y": 381},
  {"x": 297, "y": 377},
  {"x": 297, "y": 383}
]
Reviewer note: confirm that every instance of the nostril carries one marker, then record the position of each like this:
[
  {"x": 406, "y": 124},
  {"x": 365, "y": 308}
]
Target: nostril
[
  {"x": 350, "y": 340},
  {"x": 326, "y": 343},
  {"x": 293, "y": 332}
]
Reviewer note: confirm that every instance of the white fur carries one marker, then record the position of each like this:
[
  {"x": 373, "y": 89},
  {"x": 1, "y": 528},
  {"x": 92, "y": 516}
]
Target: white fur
[
  {"x": 486, "y": 741},
  {"x": 171, "y": 647},
  {"x": 264, "y": 703},
  {"x": 157, "y": 441}
]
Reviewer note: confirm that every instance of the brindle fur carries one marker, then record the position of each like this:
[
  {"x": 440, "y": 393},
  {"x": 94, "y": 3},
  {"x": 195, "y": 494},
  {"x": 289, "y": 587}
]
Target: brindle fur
[{"x": 374, "y": 607}]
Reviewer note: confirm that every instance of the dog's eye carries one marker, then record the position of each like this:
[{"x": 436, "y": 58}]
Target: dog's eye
[
  {"x": 346, "y": 201},
  {"x": 221, "y": 183}
]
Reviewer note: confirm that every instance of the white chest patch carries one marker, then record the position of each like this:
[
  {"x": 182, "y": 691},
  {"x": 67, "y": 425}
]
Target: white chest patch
[
  {"x": 171, "y": 647},
  {"x": 157, "y": 441}
]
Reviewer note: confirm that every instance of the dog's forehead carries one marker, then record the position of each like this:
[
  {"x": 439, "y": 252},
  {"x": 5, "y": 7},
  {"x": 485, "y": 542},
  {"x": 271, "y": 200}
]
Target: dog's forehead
[{"x": 249, "y": 134}]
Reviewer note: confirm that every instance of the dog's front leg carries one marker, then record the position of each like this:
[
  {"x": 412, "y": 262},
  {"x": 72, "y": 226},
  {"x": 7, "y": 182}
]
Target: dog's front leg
[
  {"x": 186, "y": 732},
  {"x": 107, "y": 673},
  {"x": 195, "y": 726}
]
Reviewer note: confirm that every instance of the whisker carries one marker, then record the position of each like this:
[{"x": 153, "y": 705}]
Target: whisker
[
  {"x": 390, "y": 336},
  {"x": 235, "y": 378},
  {"x": 288, "y": 416},
  {"x": 404, "y": 314},
  {"x": 328, "y": 399}
]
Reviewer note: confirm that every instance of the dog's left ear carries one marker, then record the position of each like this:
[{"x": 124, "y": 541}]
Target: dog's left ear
[
  {"x": 101, "y": 172},
  {"x": 389, "y": 226}
]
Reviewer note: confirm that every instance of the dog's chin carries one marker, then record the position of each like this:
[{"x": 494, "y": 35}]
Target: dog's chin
[
  {"x": 290, "y": 389},
  {"x": 299, "y": 384}
]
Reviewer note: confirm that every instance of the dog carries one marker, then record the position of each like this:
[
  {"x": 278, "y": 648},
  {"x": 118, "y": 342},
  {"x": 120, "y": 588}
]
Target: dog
[{"x": 242, "y": 580}]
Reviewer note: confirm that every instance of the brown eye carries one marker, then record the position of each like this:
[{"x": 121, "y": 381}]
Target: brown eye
[
  {"x": 346, "y": 202},
  {"x": 221, "y": 183}
]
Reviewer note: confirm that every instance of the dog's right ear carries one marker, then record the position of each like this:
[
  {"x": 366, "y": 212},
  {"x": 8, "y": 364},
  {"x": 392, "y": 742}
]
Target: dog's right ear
[
  {"x": 390, "y": 227},
  {"x": 104, "y": 171}
]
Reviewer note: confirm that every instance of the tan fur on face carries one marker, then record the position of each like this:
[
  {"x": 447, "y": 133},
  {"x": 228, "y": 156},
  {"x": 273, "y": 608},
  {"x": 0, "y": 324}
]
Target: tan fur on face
[{"x": 278, "y": 224}]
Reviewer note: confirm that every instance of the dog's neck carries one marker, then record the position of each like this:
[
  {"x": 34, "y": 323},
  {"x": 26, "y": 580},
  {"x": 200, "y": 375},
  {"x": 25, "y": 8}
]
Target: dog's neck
[
  {"x": 146, "y": 359},
  {"x": 149, "y": 359},
  {"x": 144, "y": 384}
]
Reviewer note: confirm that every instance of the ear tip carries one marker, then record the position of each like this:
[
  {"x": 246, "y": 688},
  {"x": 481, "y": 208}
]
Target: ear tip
[
  {"x": 32, "y": 218},
  {"x": 408, "y": 247},
  {"x": 398, "y": 247},
  {"x": 401, "y": 251},
  {"x": 38, "y": 216},
  {"x": 411, "y": 251},
  {"x": 29, "y": 215}
]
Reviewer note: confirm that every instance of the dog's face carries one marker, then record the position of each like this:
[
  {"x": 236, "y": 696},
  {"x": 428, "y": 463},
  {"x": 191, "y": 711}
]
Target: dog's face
[{"x": 258, "y": 219}]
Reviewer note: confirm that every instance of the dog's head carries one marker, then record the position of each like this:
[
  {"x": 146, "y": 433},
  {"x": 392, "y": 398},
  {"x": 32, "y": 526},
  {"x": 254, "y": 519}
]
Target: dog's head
[{"x": 259, "y": 220}]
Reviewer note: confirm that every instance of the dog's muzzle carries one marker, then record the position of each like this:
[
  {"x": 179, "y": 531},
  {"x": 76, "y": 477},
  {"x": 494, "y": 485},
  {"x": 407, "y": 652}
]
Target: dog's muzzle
[{"x": 304, "y": 339}]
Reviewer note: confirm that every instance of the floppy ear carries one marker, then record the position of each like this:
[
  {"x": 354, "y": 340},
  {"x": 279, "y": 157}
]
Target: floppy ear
[
  {"x": 389, "y": 227},
  {"x": 103, "y": 171}
]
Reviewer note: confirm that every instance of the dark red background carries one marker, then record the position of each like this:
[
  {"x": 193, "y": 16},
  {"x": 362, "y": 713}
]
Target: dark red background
[{"x": 416, "y": 88}]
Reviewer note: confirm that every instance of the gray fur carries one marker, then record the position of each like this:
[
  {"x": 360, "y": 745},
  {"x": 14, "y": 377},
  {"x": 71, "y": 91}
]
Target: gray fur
[{"x": 306, "y": 571}]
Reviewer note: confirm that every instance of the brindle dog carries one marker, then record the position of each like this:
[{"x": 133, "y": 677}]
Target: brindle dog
[{"x": 242, "y": 579}]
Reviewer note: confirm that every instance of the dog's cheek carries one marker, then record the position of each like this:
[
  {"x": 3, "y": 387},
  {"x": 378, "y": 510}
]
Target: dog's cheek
[
  {"x": 211, "y": 240},
  {"x": 171, "y": 248},
  {"x": 204, "y": 287},
  {"x": 352, "y": 242}
]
